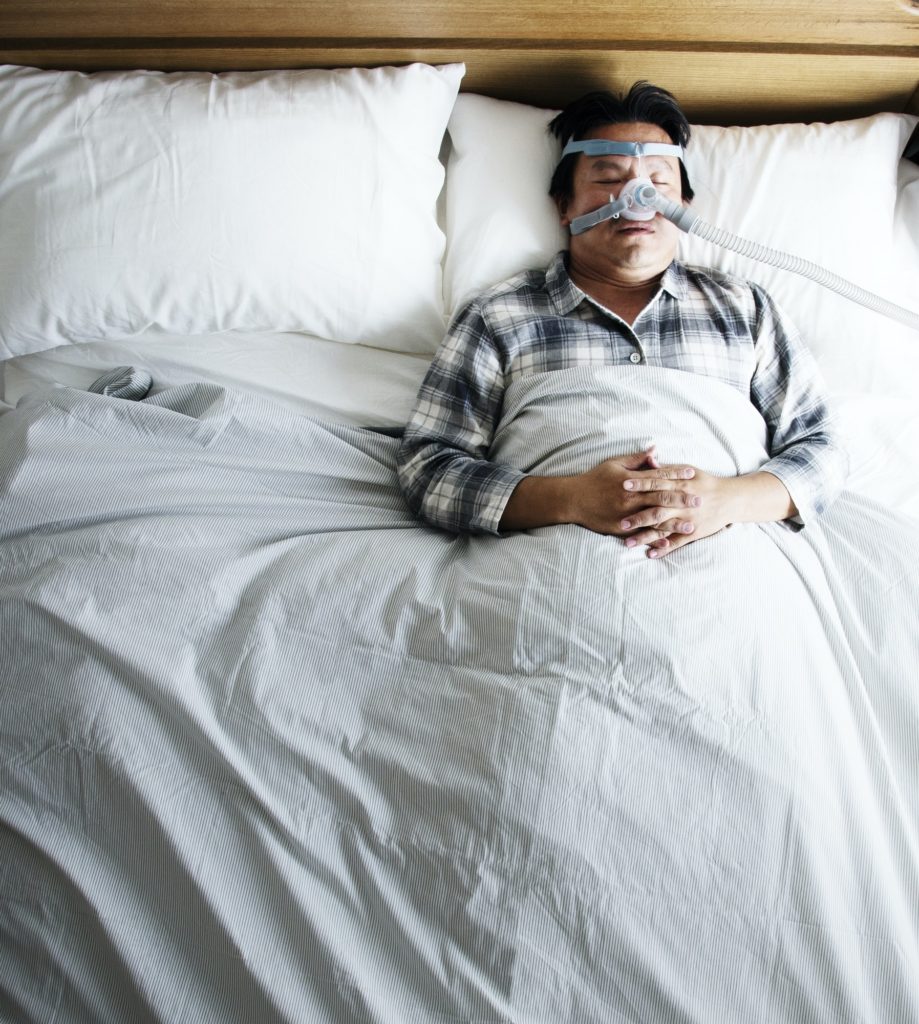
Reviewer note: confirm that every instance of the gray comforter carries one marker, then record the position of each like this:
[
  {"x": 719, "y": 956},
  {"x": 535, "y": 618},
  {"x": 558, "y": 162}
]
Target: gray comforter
[{"x": 272, "y": 751}]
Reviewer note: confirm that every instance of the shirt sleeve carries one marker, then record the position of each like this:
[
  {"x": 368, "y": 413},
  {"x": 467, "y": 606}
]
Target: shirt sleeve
[
  {"x": 443, "y": 466},
  {"x": 807, "y": 453}
]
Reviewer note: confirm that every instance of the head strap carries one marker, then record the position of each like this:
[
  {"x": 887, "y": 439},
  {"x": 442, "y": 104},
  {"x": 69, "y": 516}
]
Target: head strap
[{"x": 603, "y": 147}]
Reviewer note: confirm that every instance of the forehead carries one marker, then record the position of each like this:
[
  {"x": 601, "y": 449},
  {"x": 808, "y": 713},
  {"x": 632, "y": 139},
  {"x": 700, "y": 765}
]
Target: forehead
[{"x": 630, "y": 131}]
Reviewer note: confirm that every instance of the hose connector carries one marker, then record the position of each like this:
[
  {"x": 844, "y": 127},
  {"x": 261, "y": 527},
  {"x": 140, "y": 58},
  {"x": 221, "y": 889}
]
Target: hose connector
[
  {"x": 640, "y": 200},
  {"x": 647, "y": 196}
]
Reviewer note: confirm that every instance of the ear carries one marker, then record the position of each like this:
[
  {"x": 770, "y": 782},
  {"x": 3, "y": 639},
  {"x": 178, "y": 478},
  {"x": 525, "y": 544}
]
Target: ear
[{"x": 562, "y": 206}]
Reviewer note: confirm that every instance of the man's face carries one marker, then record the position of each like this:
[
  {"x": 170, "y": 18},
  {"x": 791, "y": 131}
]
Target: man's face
[{"x": 630, "y": 250}]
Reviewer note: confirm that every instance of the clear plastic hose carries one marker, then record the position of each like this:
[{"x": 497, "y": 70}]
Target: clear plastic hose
[{"x": 694, "y": 225}]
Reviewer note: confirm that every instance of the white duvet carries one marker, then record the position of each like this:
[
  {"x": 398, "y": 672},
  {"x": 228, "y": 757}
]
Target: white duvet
[{"x": 272, "y": 751}]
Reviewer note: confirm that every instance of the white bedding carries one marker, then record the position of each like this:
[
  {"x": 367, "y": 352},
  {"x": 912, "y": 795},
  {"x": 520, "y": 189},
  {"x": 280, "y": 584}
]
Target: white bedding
[
  {"x": 192, "y": 203},
  {"x": 371, "y": 387},
  {"x": 272, "y": 751},
  {"x": 352, "y": 384}
]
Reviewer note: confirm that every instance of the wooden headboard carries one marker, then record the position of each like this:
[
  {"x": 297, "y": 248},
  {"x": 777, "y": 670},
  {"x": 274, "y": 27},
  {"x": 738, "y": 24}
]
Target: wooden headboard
[{"x": 727, "y": 62}]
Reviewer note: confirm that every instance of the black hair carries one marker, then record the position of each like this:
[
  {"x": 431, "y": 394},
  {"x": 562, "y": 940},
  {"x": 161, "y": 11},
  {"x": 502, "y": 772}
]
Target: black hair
[{"x": 643, "y": 102}]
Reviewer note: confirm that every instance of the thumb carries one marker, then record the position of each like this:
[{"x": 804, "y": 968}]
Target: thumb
[{"x": 641, "y": 460}]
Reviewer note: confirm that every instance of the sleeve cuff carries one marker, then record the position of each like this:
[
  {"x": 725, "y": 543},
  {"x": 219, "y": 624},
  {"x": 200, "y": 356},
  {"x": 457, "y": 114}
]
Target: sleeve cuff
[
  {"x": 799, "y": 489},
  {"x": 493, "y": 499}
]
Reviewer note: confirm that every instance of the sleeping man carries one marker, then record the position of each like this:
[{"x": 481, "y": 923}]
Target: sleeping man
[{"x": 618, "y": 298}]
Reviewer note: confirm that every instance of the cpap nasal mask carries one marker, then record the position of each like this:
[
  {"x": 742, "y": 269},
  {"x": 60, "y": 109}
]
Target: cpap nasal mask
[
  {"x": 640, "y": 199},
  {"x": 625, "y": 206}
]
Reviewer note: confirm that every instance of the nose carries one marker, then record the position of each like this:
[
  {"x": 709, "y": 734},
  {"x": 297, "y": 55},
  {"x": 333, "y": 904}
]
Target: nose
[
  {"x": 634, "y": 210},
  {"x": 632, "y": 172},
  {"x": 636, "y": 169}
]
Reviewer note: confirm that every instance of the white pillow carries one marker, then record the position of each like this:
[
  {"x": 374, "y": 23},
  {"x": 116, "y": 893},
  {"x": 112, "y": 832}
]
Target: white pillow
[
  {"x": 906, "y": 228},
  {"x": 795, "y": 187},
  {"x": 827, "y": 192},
  {"x": 198, "y": 203},
  {"x": 500, "y": 218}
]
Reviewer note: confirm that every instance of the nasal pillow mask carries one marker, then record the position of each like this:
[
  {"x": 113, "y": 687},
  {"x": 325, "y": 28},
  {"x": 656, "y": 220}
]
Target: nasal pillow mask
[{"x": 639, "y": 199}]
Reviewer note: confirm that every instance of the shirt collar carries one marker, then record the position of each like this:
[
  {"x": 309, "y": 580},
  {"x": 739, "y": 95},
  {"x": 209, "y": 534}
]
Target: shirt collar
[
  {"x": 566, "y": 295},
  {"x": 675, "y": 280}
]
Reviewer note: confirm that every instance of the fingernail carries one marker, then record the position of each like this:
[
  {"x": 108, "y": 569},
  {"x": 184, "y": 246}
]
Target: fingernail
[
  {"x": 687, "y": 527},
  {"x": 653, "y": 553},
  {"x": 631, "y": 542},
  {"x": 626, "y": 524},
  {"x": 697, "y": 501},
  {"x": 629, "y": 484}
]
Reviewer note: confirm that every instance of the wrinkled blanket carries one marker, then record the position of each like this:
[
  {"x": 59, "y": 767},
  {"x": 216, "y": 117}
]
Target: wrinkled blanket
[{"x": 270, "y": 750}]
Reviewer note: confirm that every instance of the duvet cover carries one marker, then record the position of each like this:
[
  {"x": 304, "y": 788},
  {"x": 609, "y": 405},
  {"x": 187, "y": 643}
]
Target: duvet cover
[{"x": 271, "y": 750}]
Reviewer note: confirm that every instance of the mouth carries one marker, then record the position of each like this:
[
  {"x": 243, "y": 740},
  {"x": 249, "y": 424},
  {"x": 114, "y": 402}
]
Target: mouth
[{"x": 636, "y": 229}]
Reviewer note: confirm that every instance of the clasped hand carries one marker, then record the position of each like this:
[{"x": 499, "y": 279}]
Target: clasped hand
[{"x": 663, "y": 507}]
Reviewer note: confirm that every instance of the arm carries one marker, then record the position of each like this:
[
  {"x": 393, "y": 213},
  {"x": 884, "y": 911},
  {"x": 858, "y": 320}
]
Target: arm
[
  {"x": 758, "y": 497},
  {"x": 808, "y": 463},
  {"x": 449, "y": 481},
  {"x": 807, "y": 453},
  {"x": 597, "y": 499},
  {"x": 442, "y": 462}
]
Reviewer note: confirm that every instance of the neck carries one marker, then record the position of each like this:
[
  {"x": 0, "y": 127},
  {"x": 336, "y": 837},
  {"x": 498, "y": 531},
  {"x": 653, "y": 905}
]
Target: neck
[{"x": 623, "y": 296}]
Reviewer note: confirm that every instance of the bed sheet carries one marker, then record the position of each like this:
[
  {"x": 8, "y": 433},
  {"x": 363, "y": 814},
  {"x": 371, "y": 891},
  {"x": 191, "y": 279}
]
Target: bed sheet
[
  {"x": 352, "y": 384},
  {"x": 371, "y": 387},
  {"x": 274, "y": 751}
]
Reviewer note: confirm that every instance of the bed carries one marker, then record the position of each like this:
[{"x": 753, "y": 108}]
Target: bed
[{"x": 273, "y": 750}]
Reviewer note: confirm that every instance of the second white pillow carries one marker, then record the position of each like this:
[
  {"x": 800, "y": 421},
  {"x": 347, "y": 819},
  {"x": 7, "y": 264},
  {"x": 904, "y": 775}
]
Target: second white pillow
[{"x": 196, "y": 203}]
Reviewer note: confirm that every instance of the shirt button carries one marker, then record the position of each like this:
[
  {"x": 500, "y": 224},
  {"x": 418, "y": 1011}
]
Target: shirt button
[{"x": 635, "y": 357}]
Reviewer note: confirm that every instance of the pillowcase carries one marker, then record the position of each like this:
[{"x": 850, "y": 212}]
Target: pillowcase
[
  {"x": 795, "y": 187},
  {"x": 906, "y": 226},
  {"x": 196, "y": 203},
  {"x": 500, "y": 219},
  {"x": 826, "y": 192}
]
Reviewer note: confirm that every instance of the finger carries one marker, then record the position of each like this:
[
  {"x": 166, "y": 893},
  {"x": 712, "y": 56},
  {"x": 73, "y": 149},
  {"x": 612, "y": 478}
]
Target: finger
[
  {"x": 658, "y": 527},
  {"x": 655, "y": 516},
  {"x": 667, "y": 532},
  {"x": 641, "y": 460},
  {"x": 673, "y": 543},
  {"x": 644, "y": 518},
  {"x": 677, "y": 527},
  {"x": 670, "y": 498},
  {"x": 662, "y": 476},
  {"x": 647, "y": 537}
]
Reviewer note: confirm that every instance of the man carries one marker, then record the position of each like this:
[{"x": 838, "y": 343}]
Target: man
[{"x": 621, "y": 276}]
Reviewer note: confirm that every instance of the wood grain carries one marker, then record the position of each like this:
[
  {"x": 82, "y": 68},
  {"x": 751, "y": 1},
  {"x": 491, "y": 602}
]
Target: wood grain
[
  {"x": 864, "y": 24},
  {"x": 715, "y": 88},
  {"x": 727, "y": 61}
]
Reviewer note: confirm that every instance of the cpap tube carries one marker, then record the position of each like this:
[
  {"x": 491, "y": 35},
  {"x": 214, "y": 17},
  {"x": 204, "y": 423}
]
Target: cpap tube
[{"x": 647, "y": 197}]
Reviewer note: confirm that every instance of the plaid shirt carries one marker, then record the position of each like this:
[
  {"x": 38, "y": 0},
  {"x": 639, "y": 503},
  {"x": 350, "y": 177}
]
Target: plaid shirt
[{"x": 701, "y": 322}]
